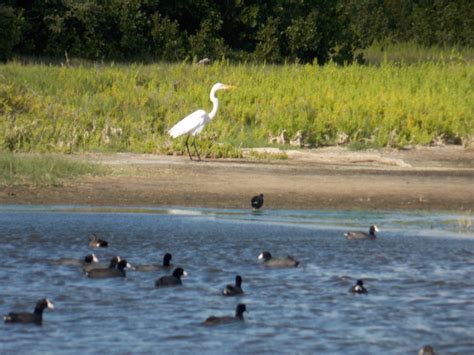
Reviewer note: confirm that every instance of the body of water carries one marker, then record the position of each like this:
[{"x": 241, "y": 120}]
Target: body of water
[{"x": 419, "y": 274}]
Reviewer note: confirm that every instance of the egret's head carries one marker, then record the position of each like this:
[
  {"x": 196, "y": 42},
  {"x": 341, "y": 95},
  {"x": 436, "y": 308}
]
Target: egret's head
[{"x": 220, "y": 86}]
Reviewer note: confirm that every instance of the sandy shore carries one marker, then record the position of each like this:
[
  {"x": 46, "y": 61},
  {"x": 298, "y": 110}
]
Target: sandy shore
[{"x": 328, "y": 178}]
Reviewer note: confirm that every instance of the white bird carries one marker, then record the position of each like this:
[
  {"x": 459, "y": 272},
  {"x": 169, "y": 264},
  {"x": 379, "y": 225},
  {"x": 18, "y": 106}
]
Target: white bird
[{"x": 194, "y": 123}]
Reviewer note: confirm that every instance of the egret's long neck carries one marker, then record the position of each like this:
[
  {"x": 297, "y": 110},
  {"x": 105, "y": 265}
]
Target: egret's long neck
[{"x": 215, "y": 103}]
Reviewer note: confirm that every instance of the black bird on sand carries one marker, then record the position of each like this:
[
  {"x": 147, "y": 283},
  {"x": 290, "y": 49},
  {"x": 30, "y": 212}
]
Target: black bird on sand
[{"x": 257, "y": 202}]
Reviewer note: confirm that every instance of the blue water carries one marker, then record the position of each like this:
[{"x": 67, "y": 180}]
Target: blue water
[{"x": 419, "y": 274}]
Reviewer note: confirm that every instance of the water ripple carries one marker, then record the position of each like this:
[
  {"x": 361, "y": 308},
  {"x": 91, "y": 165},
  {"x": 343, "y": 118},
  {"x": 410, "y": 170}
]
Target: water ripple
[{"x": 418, "y": 272}]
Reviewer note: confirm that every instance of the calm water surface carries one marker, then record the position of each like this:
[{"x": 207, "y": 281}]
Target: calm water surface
[{"x": 419, "y": 273}]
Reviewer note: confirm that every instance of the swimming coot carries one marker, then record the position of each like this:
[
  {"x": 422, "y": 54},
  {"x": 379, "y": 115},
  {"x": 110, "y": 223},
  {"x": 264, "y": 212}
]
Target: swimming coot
[
  {"x": 112, "y": 265},
  {"x": 87, "y": 260},
  {"x": 118, "y": 271},
  {"x": 362, "y": 235},
  {"x": 239, "y": 316},
  {"x": 94, "y": 242},
  {"x": 24, "y": 317},
  {"x": 257, "y": 201},
  {"x": 233, "y": 290},
  {"x": 359, "y": 287},
  {"x": 426, "y": 350},
  {"x": 166, "y": 264},
  {"x": 171, "y": 280},
  {"x": 289, "y": 261}
]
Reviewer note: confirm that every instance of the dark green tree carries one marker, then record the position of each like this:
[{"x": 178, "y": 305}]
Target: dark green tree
[
  {"x": 272, "y": 31},
  {"x": 10, "y": 29}
]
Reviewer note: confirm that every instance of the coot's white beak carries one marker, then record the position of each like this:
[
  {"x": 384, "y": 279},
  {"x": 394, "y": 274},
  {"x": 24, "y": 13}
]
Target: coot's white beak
[
  {"x": 94, "y": 259},
  {"x": 49, "y": 304},
  {"x": 185, "y": 273},
  {"x": 376, "y": 229},
  {"x": 260, "y": 256},
  {"x": 130, "y": 266}
]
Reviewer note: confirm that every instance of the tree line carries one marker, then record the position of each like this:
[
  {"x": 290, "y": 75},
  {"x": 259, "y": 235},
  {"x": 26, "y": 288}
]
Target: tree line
[{"x": 244, "y": 30}]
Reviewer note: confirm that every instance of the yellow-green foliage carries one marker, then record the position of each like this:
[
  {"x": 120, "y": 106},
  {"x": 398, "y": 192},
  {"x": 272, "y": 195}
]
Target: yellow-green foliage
[
  {"x": 130, "y": 108},
  {"x": 253, "y": 154},
  {"x": 413, "y": 53}
]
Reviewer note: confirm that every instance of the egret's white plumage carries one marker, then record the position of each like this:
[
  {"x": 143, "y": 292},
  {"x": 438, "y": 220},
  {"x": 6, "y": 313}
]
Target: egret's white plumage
[
  {"x": 191, "y": 124},
  {"x": 194, "y": 123}
]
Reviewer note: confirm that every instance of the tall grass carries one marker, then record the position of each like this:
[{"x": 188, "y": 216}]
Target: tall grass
[
  {"x": 414, "y": 53},
  {"x": 130, "y": 108},
  {"x": 39, "y": 170}
]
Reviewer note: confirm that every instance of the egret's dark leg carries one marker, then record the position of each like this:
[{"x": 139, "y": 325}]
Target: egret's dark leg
[
  {"x": 195, "y": 148},
  {"x": 187, "y": 147}
]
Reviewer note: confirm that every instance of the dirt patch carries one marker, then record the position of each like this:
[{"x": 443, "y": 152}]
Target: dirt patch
[{"x": 330, "y": 178}]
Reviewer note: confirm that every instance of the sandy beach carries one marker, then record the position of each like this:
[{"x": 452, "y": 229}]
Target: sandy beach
[{"x": 429, "y": 178}]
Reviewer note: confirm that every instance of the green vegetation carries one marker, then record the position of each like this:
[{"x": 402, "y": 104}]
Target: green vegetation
[
  {"x": 130, "y": 108},
  {"x": 412, "y": 53},
  {"x": 42, "y": 170},
  {"x": 303, "y": 31},
  {"x": 253, "y": 154}
]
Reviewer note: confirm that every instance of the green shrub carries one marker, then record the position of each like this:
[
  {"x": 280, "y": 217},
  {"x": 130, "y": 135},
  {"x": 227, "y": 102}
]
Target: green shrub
[{"x": 130, "y": 108}]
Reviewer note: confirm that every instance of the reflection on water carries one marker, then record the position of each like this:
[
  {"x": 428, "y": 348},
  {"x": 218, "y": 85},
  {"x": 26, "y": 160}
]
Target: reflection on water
[{"x": 418, "y": 273}]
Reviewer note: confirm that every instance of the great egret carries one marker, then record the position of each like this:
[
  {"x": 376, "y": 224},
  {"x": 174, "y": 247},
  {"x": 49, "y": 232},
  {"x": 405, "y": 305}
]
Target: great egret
[{"x": 194, "y": 123}]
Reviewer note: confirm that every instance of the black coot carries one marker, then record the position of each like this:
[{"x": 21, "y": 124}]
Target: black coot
[
  {"x": 171, "y": 280},
  {"x": 233, "y": 290},
  {"x": 112, "y": 265},
  {"x": 24, "y": 317},
  {"x": 239, "y": 316},
  {"x": 166, "y": 264},
  {"x": 359, "y": 287},
  {"x": 362, "y": 235},
  {"x": 118, "y": 271},
  {"x": 426, "y": 350},
  {"x": 268, "y": 260},
  {"x": 257, "y": 201},
  {"x": 87, "y": 260}
]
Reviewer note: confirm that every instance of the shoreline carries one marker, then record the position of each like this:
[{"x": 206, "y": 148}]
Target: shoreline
[{"x": 438, "y": 179}]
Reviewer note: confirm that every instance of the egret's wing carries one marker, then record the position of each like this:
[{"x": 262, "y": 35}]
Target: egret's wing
[{"x": 189, "y": 124}]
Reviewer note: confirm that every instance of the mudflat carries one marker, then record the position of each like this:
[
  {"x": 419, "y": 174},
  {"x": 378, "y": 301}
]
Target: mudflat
[{"x": 428, "y": 178}]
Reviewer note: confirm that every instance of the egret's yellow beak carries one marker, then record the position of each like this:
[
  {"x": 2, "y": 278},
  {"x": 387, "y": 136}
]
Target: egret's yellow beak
[{"x": 229, "y": 87}]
